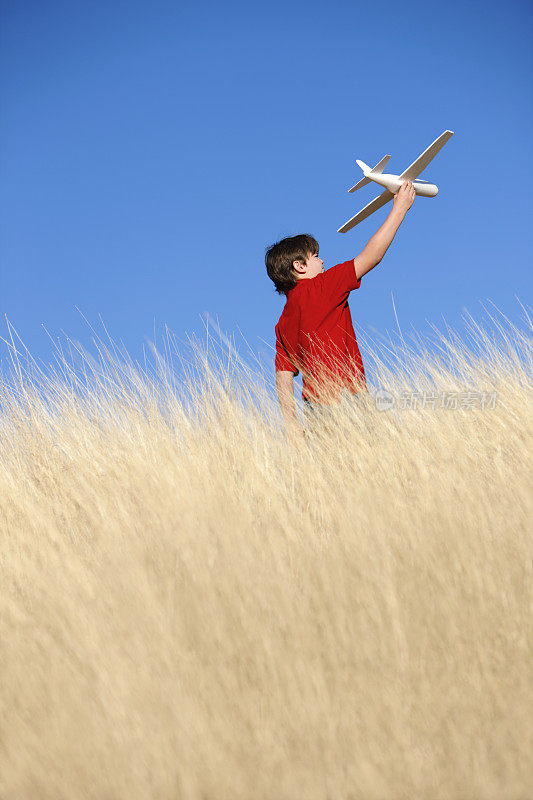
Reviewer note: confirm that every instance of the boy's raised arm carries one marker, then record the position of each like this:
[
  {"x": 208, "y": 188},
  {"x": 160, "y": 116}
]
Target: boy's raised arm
[{"x": 379, "y": 243}]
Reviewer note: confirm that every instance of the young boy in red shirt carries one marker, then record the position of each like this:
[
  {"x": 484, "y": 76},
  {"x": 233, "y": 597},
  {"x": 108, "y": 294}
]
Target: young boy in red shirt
[{"x": 315, "y": 333}]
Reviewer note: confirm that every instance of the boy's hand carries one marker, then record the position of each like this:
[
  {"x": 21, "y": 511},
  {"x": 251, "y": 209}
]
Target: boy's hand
[
  {"x": 404, "y": 198},
  {"x": 297, "y": 435}
]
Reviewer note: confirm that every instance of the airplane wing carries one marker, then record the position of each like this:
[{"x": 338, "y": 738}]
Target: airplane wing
[
  {"x": 365, "y": 212},
  {"x": 422, "y": 161}
]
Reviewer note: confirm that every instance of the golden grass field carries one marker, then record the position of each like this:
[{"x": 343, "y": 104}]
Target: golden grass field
[{"x": 193, "y": 608}]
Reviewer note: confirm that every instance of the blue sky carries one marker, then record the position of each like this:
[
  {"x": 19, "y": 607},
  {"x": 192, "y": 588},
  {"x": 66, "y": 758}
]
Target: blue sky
[{"x": 151, "y": 151}]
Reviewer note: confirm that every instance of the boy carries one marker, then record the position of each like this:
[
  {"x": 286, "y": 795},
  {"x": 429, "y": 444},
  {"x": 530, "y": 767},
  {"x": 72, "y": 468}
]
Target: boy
[{"x": 315, "y": 333}]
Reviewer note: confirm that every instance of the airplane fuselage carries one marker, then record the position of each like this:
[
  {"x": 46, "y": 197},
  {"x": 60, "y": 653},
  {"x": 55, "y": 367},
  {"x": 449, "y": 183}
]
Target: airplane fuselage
[{"x": 393, "y": 183}]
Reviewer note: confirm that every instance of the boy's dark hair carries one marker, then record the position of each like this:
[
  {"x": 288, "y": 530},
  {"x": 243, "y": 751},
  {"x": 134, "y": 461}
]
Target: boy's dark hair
[{"x": 279, "y": 258}]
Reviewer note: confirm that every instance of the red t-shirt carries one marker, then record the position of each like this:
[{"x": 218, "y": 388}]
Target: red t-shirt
[{"x": 315, "y": 335}]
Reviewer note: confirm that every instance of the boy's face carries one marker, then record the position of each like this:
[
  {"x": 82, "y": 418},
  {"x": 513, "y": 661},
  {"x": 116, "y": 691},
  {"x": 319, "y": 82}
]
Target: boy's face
[{"x": 312, "y": 267}]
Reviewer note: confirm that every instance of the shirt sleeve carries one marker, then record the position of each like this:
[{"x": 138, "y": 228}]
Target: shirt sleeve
[
  {"x": 287, "y": 345},
  {"x": 340, "y": 280}
]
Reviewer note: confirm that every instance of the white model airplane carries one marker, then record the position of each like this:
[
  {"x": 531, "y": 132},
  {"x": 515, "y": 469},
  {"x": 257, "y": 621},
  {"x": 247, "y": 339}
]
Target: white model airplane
[{"x": 393, "y": 182}]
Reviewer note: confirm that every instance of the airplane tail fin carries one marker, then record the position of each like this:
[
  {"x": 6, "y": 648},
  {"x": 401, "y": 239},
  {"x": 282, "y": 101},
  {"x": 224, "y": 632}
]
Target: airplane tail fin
[
  {"x": 363, "y": 181},
  {"x": 380, "y": 166},
  {"x": 377, "y": 170}
]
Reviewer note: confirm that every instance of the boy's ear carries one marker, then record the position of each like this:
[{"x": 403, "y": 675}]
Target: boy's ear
[{"x": 299, "y": 266}]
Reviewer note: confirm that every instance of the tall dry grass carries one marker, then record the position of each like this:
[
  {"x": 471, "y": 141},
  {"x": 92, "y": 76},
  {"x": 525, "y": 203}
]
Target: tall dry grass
[{"x": 192, "y": 608}]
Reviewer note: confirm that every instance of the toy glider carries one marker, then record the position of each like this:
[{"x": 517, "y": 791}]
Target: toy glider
[{"x": 393, "y": 182}]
